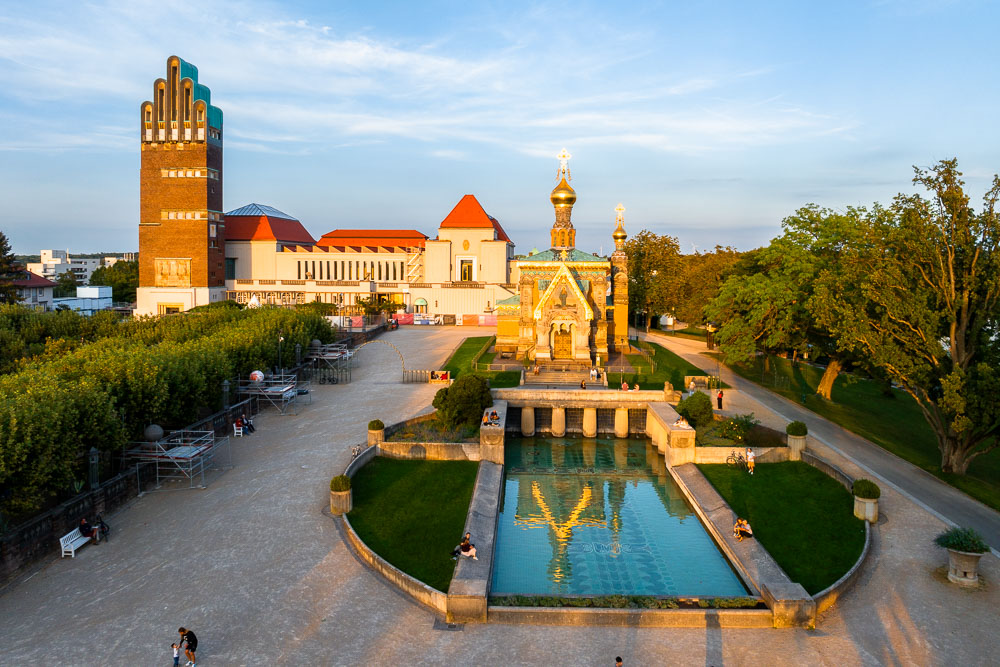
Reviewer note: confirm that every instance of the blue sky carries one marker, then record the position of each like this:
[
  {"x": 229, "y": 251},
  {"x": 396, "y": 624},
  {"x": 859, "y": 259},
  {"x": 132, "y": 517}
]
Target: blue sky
[{"x": 709, "y": 121}]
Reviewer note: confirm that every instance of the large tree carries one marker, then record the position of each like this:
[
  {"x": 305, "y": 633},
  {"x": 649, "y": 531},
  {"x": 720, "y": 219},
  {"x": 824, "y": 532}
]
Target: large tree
[
  {"x": 9, "y": 272},
  {"x": 917, "y": 295},
  {"x": 122, "y": 277},
  {"x": 702, "y": 274},
  {"x": 65, "y": 284},
  {"x": 654, "y": 273}
]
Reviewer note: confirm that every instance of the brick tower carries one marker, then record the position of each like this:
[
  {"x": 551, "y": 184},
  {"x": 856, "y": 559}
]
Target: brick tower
[{"x": 181, "y": 224}]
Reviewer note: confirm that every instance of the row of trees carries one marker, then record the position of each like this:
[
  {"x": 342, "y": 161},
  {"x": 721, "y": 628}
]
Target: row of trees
[
  {"x": 908, "y": 292},
  {"x": 103, "y": 394},
  {"x": 663, "y": 281}
]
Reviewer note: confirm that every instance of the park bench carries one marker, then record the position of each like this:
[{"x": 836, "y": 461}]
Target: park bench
[{"x": 72, "y": 541}]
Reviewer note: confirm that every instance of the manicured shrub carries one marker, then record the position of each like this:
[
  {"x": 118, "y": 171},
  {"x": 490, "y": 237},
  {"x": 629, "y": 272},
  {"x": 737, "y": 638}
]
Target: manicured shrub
[
  {"x": 737, "y": 427},
  {"x": 796, "y": 428},
  {"x": 463, "y": 402},
  {"x": 962, "y": 539},
  {"x": 865, "y": 488},
  {"x": 375, "y": 425},
  {"x": 697, "y": 409},
  {"x": 340, "y": 483}
]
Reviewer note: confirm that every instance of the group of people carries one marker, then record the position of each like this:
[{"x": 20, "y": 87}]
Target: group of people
[
  {"x": 491, "y": 418},
  {"x": 595, "y": 374},
  {"x": 87, "y": 529},
  {"x": 742, "y": 529},
  {"x": 465, "y": 548},
  {"x": 625, "y": 386},
  {"x": 682, "y": 423},
  {"x": 188, "y": 642},
  {"x": 245, "y": 423}
]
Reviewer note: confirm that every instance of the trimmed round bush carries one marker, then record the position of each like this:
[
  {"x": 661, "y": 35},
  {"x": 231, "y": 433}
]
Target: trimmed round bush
[
  {"x": 375, "y": 425},
  {"x": 463, "y": 402},
  {"x": 697, "y": 409},
  {"x": 796, "y": 428},
  {"x": 340, "y": 483},
  {"x": 865, "y": 488},
  {"x": 962, "y": 539}
]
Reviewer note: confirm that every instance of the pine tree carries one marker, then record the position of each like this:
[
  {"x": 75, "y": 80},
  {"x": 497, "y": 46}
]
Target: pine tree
[{"x": 9, "y": 272}]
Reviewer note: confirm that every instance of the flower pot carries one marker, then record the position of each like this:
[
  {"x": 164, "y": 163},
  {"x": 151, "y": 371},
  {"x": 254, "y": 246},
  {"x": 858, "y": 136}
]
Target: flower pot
[
  {"x": 341, "y": 502},
  {"x": 376, "y": 437},
  {"x": 963, "y": 567},
  {"x": 866, "y": 508},
  {"x": 796, "y": 445}
]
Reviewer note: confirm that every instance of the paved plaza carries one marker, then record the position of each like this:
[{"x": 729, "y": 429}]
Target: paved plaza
[{"x": 257, "y": 568}]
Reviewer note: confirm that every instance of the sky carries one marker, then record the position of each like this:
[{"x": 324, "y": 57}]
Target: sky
[{"x": 709, "y": 121}]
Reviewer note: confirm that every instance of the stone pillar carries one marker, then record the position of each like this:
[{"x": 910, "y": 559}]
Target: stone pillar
[
  {"x": 796, "y": 445},
  {"x": 589, "y": 422},
  {"x": 558, "y": 422},
  {"x": 621, "y": 422},
  {"x": 527, "y": 421}
]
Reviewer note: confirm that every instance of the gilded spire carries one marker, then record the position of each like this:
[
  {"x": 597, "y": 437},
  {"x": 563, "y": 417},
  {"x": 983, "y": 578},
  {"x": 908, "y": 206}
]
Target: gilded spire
[
  {"x": 563, "y": 197},
  {"x": 619, "y": 234}
]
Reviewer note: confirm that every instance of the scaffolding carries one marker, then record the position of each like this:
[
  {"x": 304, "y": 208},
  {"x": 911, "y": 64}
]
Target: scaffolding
[
  {"x": 282, "y": 391},
  {"x": 331, "y": 363},
  {"x": 182, "y": 455}
]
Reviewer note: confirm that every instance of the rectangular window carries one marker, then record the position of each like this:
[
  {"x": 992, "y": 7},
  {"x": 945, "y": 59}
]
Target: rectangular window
[
  {"x": 313, "y": 276},
  {"x": 211, "y": 230},
  {"x": 335, "y": 270},
  {"x": 299, "y": 264},
  {"x": 380, "y": 270},
  {"x": 466, "y": 270},
  {"x": 230, "y": 268},
  {"x": 328, "y": 270}
]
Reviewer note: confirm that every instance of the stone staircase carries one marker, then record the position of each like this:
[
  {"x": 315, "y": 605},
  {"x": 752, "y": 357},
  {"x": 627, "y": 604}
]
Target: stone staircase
[{"x": 554, "y": 377}]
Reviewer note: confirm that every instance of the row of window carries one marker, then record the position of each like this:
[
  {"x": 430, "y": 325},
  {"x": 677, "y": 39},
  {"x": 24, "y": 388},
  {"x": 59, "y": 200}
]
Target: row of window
[
  {"x": 190, "y": 215},
  {"x": 190, "y": 173},
  {"x": 348, "y": 270}
]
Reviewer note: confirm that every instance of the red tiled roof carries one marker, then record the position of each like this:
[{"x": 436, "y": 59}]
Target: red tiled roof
[
  {"x": 266, "y": 228},
  {"x": 469, "y": 214},
  {"x": 386, "y": 238},
  {"x": 33, "y": 280}
]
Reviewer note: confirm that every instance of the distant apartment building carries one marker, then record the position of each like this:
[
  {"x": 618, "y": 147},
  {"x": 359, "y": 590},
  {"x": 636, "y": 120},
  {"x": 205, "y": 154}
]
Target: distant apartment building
[
  {"x": 54, "y": 263},
  {"x": 88, "y": 300},
  {"x": 35, "y": 291}
]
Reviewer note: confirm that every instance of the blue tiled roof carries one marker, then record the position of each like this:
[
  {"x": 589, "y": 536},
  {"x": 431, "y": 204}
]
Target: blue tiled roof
[
  {"x": 573, "y": 255},
  {"x": 261, "y": 209},
  {"x": 510, "y": 301}
]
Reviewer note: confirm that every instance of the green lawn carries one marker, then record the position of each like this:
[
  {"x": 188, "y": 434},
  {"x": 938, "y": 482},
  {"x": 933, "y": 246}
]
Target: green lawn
[
  {"x": 692, "y": 333},
  {"x": 412, "y": 513},
  {"x": 804, "y": 518},
  {"x": 891, "y": 420},
  {"x": 669, "y": 367},
  {"x": 461, "y": 362}
]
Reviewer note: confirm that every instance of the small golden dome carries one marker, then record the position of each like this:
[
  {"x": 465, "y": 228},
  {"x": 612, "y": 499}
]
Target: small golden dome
[
  {"x": 563, "y": 194},
  {"x": 619, "y": 234}
]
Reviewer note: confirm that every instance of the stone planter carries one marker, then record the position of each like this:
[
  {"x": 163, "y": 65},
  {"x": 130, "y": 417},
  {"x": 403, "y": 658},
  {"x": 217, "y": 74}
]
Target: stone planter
[
  {"x": 376, "y": 437},
  {"x": 797, "y": 445},
  {"x": 866, "y": 508},
  {"x": 963, "y": 567},
  {"x": 341, "y": 502}
]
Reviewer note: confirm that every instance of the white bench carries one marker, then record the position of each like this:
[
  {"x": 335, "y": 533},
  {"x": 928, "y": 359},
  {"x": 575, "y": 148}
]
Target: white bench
[{"x": 72, "y": 541}]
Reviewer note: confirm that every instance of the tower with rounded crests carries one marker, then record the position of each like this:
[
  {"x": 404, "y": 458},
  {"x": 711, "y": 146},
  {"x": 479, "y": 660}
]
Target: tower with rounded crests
[{"x": 181, "y": 223}]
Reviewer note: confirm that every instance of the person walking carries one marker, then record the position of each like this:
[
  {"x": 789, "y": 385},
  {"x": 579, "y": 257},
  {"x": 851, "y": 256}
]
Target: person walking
[
  {"x": 751, "y": 460},
  {"x": 718, "y": 399},
  {"x": 177, "y": 654}
]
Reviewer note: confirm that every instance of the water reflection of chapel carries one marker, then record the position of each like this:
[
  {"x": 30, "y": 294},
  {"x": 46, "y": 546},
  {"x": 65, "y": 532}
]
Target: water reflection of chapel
[{"x": 572, "y": 307}]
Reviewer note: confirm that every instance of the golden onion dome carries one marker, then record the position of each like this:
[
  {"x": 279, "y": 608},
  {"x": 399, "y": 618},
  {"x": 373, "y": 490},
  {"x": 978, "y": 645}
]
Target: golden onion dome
[
  {"x": 619, "y": 234},
  {"x": 563, "y": 194}
]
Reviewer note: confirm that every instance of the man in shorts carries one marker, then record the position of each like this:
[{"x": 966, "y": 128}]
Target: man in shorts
[{"x": 190, "y": 644}]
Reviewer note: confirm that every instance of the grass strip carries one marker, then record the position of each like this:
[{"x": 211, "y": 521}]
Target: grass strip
[
  {"x": 669, "y": 368},
  {"x": 412, "y": 513},
  {"x": 888, "y": 417},
  {"x": 461, "y": 362},
  {"x": 804, "y": 518}
]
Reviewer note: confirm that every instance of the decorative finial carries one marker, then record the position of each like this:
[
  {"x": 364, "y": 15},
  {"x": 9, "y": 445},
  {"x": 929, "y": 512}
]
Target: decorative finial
[
  {"x": 564, "y": 157},
  {"x": 619, "y": 234},
  {"x": 563, "y": 255},
  {"x": 620, "y": 214}
]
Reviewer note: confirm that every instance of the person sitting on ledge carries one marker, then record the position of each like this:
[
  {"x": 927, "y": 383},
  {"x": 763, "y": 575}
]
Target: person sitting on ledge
[
  {"x": 635, "y": 387},
  {"x": 465, "y": 548},
  {"x": 486, "y": 419},
  {"x": 583, "y": 384},
  {"x": 624, "y": 386},
  {"x": 494, "y": 417},
  {"x": 742, "y": 529},
  {"x": 457, "y": 550},
  {"x": 683, "y": 423}
]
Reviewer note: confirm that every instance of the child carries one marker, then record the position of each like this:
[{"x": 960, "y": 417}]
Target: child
[{"x": 177, "y": 654}]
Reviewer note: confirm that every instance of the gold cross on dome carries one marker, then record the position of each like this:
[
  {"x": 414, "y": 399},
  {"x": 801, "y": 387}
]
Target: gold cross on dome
[
  {"x": 564, "y": 157},
  {"x": 619, "y": 213}
]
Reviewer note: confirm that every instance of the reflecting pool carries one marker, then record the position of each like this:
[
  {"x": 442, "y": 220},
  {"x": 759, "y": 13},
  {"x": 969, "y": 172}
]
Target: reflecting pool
[{"x": 600, "y": 516}]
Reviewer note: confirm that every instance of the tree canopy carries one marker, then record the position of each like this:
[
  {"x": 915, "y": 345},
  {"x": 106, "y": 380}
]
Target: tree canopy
[
  {"x": 9, "y": 272},
  {"x": 122, "y": 277},
  {"x": 654, "y": 272}
]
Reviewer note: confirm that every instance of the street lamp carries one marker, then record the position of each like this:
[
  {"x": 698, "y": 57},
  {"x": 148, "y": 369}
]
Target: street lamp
[
  {"x": 281, "y": 339},
  {"x": 712, "y": 327}
]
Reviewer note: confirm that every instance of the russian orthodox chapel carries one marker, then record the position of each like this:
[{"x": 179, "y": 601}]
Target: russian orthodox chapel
[{"x": 571, "y": 307}]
